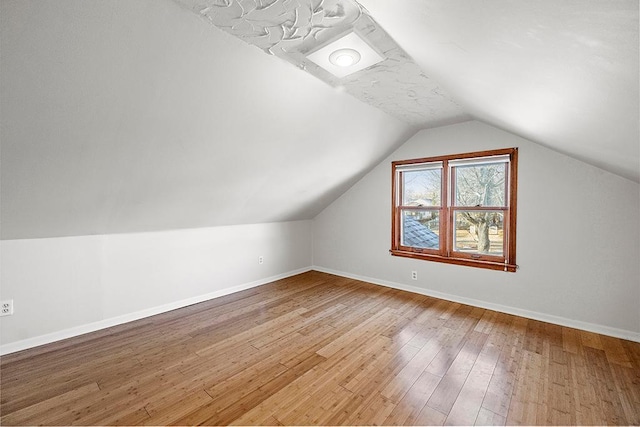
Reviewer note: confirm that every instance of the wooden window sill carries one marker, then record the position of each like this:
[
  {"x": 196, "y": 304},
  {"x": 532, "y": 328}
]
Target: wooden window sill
[{"x": 490, "y": 265}]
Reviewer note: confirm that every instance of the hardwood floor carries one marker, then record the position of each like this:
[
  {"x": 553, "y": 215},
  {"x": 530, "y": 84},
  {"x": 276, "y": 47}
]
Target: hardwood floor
[{"x": 320, "y": 349}]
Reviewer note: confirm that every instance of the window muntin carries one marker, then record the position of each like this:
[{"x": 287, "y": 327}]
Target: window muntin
[{"x": 458, "y": 209}]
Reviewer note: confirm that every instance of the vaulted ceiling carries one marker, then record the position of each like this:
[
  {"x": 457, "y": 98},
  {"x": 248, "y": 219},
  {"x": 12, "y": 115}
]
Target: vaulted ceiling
[
  {"x": 561, "y": 73},
  {"x": 293, "y": 29},
  {"x": 139, "y": 115}
]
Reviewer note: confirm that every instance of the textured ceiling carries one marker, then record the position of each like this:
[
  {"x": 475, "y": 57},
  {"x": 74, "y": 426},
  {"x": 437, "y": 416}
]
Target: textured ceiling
[
  {"x": 290, "y": 29},
  {"x": 563, "y": 73}
]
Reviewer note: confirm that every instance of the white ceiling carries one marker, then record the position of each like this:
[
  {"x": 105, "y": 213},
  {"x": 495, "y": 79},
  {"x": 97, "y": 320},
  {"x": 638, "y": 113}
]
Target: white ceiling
[
  {"x": 291, "y": 29},
  {"x": 561, "y": 73},
  {"x": 135, "y": 115},
  {"x": 138, "y": 115}
]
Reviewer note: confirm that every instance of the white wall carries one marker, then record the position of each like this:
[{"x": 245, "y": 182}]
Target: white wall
[
  {"x": 577, "y": 244},
  {"x": 65, "y": 286}
]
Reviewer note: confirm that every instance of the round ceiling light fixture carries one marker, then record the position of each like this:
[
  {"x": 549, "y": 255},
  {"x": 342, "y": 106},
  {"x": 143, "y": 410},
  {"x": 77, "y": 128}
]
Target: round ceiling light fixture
[{"x": 344, "y": 57}]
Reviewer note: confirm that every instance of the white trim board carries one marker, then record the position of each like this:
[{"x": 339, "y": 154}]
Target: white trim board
[
  {"x": 114, "y": 321},
  {"x": 107, "y": 323},
  {"x": 557, "y": 320}
]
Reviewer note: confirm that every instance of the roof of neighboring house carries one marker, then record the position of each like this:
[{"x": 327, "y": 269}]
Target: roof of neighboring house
[
  {"x": 420, "y": 202},
  {"x": 418, "y": 235}
]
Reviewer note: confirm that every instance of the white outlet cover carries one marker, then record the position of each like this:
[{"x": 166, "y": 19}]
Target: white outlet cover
[{"x": 6, "y": 307}]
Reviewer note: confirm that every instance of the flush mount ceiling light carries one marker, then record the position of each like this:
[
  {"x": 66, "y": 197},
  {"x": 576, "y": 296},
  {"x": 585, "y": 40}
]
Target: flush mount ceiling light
[{"x": 346, "y": 55}]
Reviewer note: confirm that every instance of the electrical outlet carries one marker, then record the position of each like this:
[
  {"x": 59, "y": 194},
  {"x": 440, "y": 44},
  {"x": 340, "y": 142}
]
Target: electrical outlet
[
  {"x": 414, "y": 275},
  {"x": 260, "y": 259},
  {"x": 6, "y": 307}
]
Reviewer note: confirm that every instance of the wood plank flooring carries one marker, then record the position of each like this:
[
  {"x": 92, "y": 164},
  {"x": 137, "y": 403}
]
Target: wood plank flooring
[{"x": 317, "y": 349}]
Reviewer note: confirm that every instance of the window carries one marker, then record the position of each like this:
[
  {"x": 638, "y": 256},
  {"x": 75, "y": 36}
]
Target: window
[{"x": 458, "y": 209}]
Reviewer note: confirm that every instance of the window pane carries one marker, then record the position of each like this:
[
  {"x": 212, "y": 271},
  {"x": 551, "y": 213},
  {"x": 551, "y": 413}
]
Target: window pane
[
  {"x": 480, "y": 185},
  {"x": 421, "y": 187},
  {"x": 420, "y": 229},
  {"x": 480, "y": 232}
]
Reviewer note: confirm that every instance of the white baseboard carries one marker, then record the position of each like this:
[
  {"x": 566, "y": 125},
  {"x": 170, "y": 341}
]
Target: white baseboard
[
  {"x": 549, "y": 318},
  {"x": 114, "y": 321}
]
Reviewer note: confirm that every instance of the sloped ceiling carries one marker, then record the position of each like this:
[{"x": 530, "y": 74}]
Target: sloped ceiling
[
  {"x": 139, "y": 115},
  {"x": 135, "y": 115},
  {"x": 291, "y": 29},
  {"x": 561, "y": 73}
]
